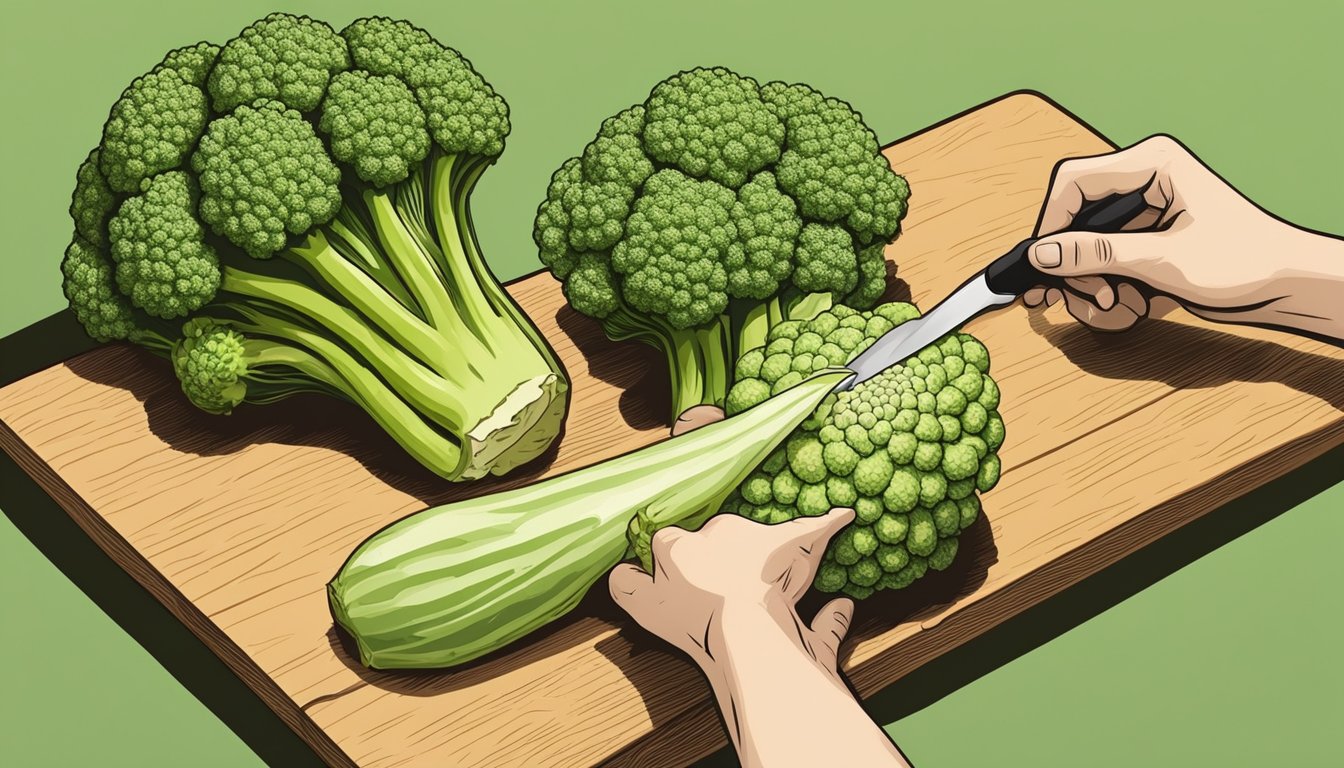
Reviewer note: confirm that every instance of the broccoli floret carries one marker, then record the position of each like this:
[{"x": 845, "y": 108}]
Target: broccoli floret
[
  {"x": 672, "y": 256},
  {"x": 826, "y": 260},
  {"x": 290, "y": 213},
  {"x": 711, "y": 123},
  {"x": 911, "y": 475},
  {"x": 92, "y": 202},
  {"x": 152, "y": 127},
  {"x": 163, "y": 262},
  {"x": 761, "y": 256},
  {"x": 192, "y": 63},
  {"x": 92, "y": 293},
  {"x": 375, "y": 126},
  {"x": 709, "y": 249},
  {"x": 265, "y": 175},
  {"x": 289, "y": 59}
]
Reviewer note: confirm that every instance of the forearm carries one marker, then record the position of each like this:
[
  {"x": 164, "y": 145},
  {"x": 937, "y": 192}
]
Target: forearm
[
  {"x": 1306, "y": 294},
  {"x": 781, "y": 706}
]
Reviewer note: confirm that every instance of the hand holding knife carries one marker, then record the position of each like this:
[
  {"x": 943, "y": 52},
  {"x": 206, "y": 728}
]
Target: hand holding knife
[{"x": 999, "y": 284}]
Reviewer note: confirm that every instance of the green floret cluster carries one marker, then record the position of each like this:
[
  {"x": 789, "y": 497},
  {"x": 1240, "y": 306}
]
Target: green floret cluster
[
  {"x": 289, "y": 212},
  {"x": 795, "y": 349},
  {"x": 908, "y": 450},
  {"x": 698, "y": 219}
]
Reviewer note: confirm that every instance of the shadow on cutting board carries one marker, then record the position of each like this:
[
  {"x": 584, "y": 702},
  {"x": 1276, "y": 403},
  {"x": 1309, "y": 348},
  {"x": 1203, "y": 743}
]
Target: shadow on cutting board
[
  {"x": 1190, "y": 357},
  {"x": 138, "y": 613}
]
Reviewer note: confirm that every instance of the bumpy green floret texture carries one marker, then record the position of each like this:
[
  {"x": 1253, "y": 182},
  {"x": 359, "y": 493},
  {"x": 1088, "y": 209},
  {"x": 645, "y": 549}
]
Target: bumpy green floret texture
[
  {"x": 709, "y": 245},
  {"x": 163, "y": 262},
  {"x": 151, "y": 129},
  {"x": 209, "y": 362},
  {"x": 826, "y": 260},
  {"x": 89, "y": 287},
  {"x": 264, "y": 175},
  {"x": 712, "y": 123},
  {"x": 672, "y": 257},
  {"x": 286, "y": 58},
  {"x": 831, "y": 165},
  {"x": 296, "y": 202},
  {"x": 375, "y": 125},
  {"x": 911, "y": 475},
  {"x": 767, "y": 224},
  {"x": 192, "y": 63},
  {"x": 463, "y": 112},
  {"x": 92, "y": 202}
]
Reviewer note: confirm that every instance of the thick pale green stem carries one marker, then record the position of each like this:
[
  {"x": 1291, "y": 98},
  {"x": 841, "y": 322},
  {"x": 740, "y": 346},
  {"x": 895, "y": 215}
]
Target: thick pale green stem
[
  {"x": 369, "y": 297},
  {"x": 329, "y": 362},
  {"x": 752, "y": 328},
  {"x": 403, "y": 251},
  {"x": 452, "y": 583},
  {"x": 432, "y": 394}
]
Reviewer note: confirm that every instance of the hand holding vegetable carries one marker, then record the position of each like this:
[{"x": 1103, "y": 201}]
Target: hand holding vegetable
[
  {"x": 726, "y": 595},
  {"x": 1202, "y": 244}
]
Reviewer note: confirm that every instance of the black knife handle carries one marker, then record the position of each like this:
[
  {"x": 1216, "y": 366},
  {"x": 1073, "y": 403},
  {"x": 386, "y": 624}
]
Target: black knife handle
[{"x": 1012, "y": 273}]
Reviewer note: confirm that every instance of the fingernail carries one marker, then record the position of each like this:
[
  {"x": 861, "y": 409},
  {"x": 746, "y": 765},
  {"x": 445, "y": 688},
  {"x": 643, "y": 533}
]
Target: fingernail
[{"x": 1048, "y": 254}]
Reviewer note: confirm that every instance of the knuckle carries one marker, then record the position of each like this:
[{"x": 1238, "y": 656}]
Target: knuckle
[{"x": 664, "y": 538}]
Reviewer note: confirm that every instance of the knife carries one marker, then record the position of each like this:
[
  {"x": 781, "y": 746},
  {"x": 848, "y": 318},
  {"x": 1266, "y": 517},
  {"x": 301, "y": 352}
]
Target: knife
[{"x": 997, "y": 285}]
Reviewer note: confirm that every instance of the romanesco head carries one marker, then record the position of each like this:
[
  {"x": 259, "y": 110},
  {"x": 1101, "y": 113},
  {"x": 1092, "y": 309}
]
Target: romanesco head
[{"x": 907, "y": 449}]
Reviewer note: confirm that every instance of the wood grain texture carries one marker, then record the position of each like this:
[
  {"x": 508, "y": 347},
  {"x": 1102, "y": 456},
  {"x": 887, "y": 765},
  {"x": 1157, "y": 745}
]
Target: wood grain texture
[{"x": 236, "y": 524}]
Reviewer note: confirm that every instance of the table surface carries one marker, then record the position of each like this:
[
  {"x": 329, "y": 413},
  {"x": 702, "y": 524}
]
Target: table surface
[{"x": 1180, "y": 636}]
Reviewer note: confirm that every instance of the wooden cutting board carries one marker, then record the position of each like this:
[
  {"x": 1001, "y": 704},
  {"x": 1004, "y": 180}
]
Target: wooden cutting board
[{"x": 237, "y": 523}]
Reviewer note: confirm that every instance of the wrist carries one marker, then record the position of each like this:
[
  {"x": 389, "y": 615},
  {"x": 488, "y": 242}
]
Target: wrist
[{"x": 765, "y": 633}]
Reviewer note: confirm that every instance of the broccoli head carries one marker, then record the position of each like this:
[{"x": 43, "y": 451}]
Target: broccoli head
[
  {"x": 908, "y": 449},
  {"x": 715, "y": 209},
  {"x": 289, "y": 212}
]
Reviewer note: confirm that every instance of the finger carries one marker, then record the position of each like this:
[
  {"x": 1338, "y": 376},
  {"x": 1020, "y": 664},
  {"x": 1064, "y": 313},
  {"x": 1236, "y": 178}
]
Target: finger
[
  {"x": 1053, "y": 297},
  {"x": 1130, "y": 296},
  {"x": 1146, "y": 220},
  {"x": 1117, "y": 318},
  {"x": 832, "y": 624},
  {"x": 1161, "y": 306},
  {"x": 1101, "y": 292},
  {"x": 626, "y": 582},
  {"x": 1075, "y": 254},
  {"x": 695, "y": 417},
  {"x": 811, "y": 534},
  {"x": 1034, "y": 296},
  {"x": 1078, "y": 180}
]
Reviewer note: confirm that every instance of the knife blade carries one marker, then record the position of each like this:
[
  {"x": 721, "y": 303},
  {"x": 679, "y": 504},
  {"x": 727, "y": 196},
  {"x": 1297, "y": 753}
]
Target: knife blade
[{"x": 997, "y": 285}]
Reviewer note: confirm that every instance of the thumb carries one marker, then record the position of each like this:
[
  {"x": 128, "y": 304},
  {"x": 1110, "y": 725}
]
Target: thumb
[
  {"x": 1073, "y": 254},
  {"x": 628, "y": 583},
  {"x": 831, "y": 625}
]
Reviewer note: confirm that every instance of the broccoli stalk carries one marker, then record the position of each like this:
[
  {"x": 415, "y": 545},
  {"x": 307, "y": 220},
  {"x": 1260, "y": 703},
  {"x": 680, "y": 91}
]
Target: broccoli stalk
[
  {"x": 454, "y": 582},
  {"x": 718, "y": 208},
  {"x": 300, "y": 198}
]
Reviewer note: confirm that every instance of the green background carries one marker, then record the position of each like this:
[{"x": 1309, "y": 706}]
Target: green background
[{"x": 1231, "y": 660}]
